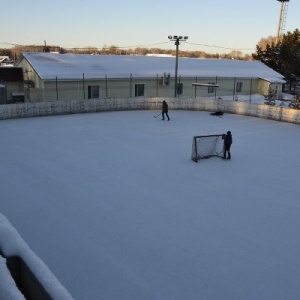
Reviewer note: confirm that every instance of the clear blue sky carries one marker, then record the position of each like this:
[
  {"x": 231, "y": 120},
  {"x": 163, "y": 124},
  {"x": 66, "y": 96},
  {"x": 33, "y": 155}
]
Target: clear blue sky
[{"x": 236, "y": 25}]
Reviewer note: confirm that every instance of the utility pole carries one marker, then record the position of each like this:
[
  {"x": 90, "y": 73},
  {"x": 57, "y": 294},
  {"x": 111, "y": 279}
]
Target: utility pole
[{"x": 177, "y": 40}]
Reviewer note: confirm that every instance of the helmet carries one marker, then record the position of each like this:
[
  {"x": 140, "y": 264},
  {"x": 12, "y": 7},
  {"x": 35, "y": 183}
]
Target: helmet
[{"x": 228, "y": 132}]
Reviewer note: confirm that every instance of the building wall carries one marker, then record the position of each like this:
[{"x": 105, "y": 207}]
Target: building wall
[
  {"x": 11, "y": 80},
  {"x": 2, "y": 94},
  {"x": 11, "y": 87},
  {"x": 32, "y": 93},
  {"x": 59, "y": 90},
  {"x": 26, "y": 110}
]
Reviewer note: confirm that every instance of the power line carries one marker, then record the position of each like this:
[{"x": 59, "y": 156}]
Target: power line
[
  {"x": 138, "y": 46},
  {"x": 221, "y": 47},
  {"x": 4, "y": 43}
]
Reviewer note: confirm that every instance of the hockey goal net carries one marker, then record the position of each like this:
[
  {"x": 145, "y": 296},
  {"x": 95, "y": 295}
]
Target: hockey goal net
[{"x": 206, "y": 146}]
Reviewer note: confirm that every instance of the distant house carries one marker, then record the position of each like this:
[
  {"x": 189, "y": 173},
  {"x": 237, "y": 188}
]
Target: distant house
[
  {"x": 52, "y": 77},
  {"x": 11, "y": 85},
  {"x": 5, "y": 61}
]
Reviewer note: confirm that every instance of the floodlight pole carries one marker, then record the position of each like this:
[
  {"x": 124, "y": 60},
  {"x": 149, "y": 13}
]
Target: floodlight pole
[
  {"x": 282, "y": 18},
  {"x": 176, "y": 66},
  {"x": 177, "y": 40}
]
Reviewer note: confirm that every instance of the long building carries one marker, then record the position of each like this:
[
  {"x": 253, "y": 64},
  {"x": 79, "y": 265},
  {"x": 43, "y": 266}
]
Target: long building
[{"x": 53, "y": 76}]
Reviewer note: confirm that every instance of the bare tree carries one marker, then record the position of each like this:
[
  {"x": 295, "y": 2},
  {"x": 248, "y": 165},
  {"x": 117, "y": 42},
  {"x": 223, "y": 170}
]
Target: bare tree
[
  {"x": 236, "y": 54},
  {"x": 262, "y": 44}
]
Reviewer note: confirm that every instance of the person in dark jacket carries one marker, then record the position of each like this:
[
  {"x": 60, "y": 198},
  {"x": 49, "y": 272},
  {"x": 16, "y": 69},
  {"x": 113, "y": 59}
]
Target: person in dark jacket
[
  {"x": 227, "y": 144},
  {"x": 165, "y": 110}
]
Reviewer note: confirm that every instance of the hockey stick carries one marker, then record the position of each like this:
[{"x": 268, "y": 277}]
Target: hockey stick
[{"x": 157, "y": 115}]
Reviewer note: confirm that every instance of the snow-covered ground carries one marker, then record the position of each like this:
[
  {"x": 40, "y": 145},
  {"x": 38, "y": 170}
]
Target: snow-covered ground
[
  {"x": 259, "y": 99},
  {"x": 114, "y": 206}
]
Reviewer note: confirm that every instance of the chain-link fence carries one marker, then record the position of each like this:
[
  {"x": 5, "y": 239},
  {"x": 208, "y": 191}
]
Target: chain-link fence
[{"x": 57, "y": 89}]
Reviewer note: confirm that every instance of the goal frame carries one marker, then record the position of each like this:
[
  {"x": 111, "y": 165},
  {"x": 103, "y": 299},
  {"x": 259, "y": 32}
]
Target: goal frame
[{"x": 218, "y": 148}]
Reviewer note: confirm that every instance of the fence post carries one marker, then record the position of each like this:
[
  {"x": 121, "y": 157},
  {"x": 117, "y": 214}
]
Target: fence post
[
  {"x": 130, "y": 85},
  {"x": 56, "y": 86},
  {"x": 234, "y": 82},
  {"x": 83, "y": 86},
  {"x": 106, "y": 87},
  {"x": 250, "y": 89},
  {"x": 216, "y": 88},
  {"x": 157, "y": 85}
]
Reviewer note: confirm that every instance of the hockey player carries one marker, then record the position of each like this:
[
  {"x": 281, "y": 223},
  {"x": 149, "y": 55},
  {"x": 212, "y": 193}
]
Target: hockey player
[
  {"x": 227, "y": 144},
  {"x": 165, "y": 110}
]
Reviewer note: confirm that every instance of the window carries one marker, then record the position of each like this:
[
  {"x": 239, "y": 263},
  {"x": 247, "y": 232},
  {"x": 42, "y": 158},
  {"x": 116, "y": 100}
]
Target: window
[
  {"x": 239, "y": 87},
  {"x": 139, "y": 90},
  {"x": 93, "y": 91},
  {"x": 211, "y": 89}
]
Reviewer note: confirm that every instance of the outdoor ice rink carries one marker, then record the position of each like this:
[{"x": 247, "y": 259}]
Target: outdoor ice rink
[{"x": 115, "y": 207}]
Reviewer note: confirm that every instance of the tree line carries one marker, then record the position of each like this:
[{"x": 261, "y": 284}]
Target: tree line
[{"x": 15, "y": 52}]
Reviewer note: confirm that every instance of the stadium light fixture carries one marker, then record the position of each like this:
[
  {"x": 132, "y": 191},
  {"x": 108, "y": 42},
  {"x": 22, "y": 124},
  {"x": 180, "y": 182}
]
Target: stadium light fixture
[{"x": 177, "y": 39}]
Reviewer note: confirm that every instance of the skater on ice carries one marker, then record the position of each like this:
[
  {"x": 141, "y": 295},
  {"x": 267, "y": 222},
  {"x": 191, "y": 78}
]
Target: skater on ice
[
  {"x": 165, "y": 110},
  {"x": 227, "y": 144}
]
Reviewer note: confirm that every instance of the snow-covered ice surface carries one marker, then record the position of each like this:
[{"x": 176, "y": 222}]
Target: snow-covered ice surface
[{"x": 114, "y": 206}]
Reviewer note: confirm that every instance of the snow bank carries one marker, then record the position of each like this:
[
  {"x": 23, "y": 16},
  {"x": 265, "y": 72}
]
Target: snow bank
[{"x": 11, "y": 244}]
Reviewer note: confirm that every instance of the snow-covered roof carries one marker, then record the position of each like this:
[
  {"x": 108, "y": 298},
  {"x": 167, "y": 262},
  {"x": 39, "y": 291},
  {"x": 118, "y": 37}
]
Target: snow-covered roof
[
  {"x": 73, "y": 66},
  {"x": 3, "y": 58}
]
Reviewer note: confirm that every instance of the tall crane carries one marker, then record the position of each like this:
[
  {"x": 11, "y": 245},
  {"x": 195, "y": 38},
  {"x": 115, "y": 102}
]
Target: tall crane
[{"x": 282, "y": 19}]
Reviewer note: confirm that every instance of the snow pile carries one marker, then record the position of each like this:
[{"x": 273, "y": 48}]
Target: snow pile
[
  {"x": 260, "y": 99},
  {"x": 11, "y": 244}
]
